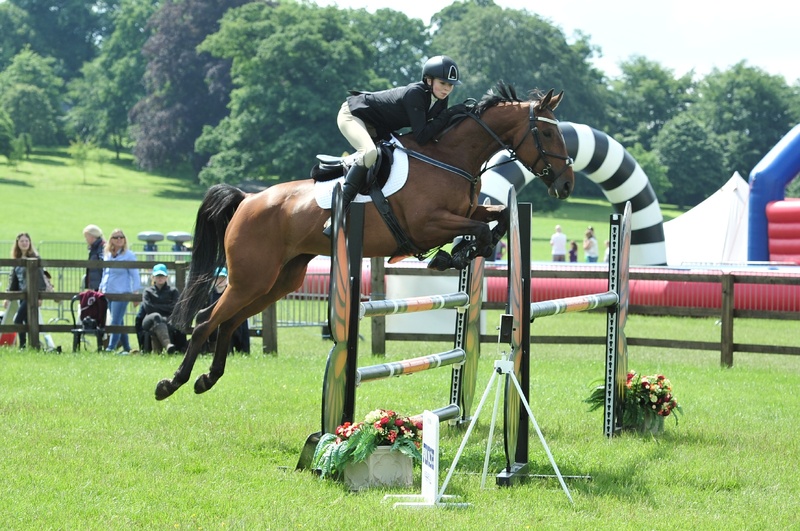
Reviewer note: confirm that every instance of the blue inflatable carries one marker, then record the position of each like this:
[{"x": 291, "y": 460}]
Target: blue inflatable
[{"x": 768, "y": 182}]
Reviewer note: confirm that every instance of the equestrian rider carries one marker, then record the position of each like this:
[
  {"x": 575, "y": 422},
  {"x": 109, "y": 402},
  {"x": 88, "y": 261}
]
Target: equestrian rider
[{"x": 422, "y": 106}]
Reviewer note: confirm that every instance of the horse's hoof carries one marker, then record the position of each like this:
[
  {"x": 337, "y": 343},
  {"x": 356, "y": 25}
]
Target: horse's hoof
[
  {"x": 487, "y": 252},
  {"x": 441, "y": 261},
  {"x": 165, "y": 388},
  {"x": 460, "y": 262},
  {"x": 203, "y": 384}
]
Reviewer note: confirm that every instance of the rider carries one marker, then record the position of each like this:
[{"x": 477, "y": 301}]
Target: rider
[{"x": 366, "y": 116}]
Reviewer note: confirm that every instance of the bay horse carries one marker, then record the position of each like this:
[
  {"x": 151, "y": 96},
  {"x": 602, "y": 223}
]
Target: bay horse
[{"x": 267, "y": 239}]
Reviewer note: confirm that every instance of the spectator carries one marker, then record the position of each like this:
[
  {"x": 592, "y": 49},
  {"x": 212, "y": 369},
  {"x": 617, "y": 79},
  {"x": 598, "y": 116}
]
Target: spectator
[
  {"x": 23, "y": 248},
  {"x": 499, "y": 250},
  {"x": 608, "y": 251},
  {"x": 240, "y": 340},
  {"x": 573, "y": 251},
  {"x": 118, "y": 280},
  {"x": 95, "y": 244},
  {"x": 158, "y": 302},
  {"x": 590, "y": 246},
  {"x": 558, "y": 243}
]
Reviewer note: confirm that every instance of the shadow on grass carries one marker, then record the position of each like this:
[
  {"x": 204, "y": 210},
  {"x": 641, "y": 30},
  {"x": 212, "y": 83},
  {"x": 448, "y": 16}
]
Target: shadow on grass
[
  {"x": 16, "y": 182},
  {"x": 48, "y": 161}
]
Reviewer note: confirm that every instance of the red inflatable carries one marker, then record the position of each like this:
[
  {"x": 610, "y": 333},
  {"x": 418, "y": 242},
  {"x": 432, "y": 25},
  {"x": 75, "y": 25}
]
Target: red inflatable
[
  {"x": 674, "y": 293},
  {"x": 783, "y": 229}
]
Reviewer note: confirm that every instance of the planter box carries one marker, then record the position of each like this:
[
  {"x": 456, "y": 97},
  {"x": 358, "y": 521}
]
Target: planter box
[{"x": 383, "y": 468}]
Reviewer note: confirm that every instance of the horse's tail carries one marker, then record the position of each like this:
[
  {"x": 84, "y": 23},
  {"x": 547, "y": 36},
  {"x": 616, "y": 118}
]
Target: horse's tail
[{"x": 208, "y": 251}]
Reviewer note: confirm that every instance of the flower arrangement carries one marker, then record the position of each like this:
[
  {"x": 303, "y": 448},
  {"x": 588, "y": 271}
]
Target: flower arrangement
[
  {"x": 647, "y": 401},
  {"x": 353, "y": 443}
]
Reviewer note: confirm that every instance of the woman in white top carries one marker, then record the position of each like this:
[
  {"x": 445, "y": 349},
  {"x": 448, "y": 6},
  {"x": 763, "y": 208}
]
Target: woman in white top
[{"x": 590, "y": 247}]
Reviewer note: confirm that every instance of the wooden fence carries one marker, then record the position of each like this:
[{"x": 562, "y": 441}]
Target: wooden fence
[
  {"x": 268, "y": 331},
  {"x": 726, "y": 313},
  {"x": 34, "y": 328}
]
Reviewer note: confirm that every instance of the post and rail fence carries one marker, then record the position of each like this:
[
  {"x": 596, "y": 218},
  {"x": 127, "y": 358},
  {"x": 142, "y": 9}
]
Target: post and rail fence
[{"x": 308, "y": 306}]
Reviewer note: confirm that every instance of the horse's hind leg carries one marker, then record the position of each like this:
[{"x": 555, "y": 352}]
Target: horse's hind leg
[
  {"x": 206, "y": 381},
  {"x": 200, "y": 334},
  {"x": 290, "y": 279}
]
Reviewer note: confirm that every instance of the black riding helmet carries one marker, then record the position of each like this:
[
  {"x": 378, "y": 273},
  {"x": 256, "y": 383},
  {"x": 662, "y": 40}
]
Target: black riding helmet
[{"x": 441, "y": 67}]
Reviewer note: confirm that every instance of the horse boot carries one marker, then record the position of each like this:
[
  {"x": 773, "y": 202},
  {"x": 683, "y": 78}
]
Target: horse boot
[
  {"x": 162, "y": 336},
  {"x": 356, "y": 177}
]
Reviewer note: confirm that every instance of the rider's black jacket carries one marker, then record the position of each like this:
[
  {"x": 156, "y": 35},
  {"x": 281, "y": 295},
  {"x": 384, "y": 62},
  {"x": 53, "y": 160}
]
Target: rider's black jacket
[{"x": 391, "y": 110}]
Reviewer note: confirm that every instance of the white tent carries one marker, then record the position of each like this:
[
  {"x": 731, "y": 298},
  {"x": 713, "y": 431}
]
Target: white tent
[{"x": 713, "y": 232}]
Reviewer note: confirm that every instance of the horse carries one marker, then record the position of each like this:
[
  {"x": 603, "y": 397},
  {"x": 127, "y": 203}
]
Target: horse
[{"x": 267, "y": 239}]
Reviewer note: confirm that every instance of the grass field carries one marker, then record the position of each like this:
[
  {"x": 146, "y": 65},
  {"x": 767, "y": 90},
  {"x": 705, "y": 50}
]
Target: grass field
[{"x": 86, "y": 445}]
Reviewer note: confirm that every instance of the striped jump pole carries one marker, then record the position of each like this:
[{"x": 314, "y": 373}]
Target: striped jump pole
[
  {"x": 413, "y": 304},
  {"x": 342, "y": 375},
  {"x": 581, "y": 303},
  {"x": 410, "y": 366}
]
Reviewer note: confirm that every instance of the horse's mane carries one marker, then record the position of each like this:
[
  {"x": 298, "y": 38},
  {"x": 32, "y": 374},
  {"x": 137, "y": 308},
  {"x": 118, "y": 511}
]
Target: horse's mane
[{"x": 503, "y": 93}]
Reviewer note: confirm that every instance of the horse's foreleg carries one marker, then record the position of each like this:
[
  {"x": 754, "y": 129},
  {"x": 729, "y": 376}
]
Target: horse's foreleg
[
  {"x": 465, "y": 250},
  {"x": 487, "y": 214}
]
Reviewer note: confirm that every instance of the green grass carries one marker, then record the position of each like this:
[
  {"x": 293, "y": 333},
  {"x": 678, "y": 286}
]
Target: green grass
[
  {"x": 49, "y": 197},
  {"x": 85, "y": 445}
]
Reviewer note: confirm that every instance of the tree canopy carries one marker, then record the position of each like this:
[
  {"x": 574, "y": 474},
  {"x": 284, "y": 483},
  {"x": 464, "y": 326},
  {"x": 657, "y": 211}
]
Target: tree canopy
[{"x": 242, "y": 91}]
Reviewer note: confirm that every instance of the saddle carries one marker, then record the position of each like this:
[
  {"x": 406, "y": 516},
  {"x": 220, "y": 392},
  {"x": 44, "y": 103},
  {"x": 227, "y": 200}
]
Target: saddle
[{"x": 329, "y": 167}]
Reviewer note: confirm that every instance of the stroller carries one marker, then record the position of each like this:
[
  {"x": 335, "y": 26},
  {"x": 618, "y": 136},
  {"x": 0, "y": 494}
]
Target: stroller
[{"x": 91, "y": 319}]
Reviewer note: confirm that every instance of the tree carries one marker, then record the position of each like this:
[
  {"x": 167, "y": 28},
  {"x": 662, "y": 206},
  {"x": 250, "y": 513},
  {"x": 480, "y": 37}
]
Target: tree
[
  {"x": 16, "y": 31},
  {"x": 292, "y": 65},
  {"x": 693, "y": 157},
  {"x": 30, "y": 68},
  {"x": 749, "y": 110},
  {"x": 490, "y": 43},
  {"x": 111, "y": 84},
  {"x": 6, "y": 135},
  {"x": 81, "y": 153},
  {"x": 398, "y": 46},
  {"x": 68, "y": 30},
  {"x": 31, "y": 112},
  {"x": 644, "y": 98},
  {"x": 187, "y": 89}
]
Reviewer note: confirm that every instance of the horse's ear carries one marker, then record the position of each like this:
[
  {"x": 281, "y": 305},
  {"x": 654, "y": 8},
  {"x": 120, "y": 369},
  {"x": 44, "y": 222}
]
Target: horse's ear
[
  {"x": 544, "y": 103},
  {"x": 556, "y": 100}
]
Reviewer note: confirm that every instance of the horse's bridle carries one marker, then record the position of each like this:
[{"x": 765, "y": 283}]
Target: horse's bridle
[{"x": 533, "y": 130}]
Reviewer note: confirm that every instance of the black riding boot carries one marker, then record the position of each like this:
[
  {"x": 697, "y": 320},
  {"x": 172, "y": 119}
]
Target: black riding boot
[
  {"x": 161, "y": 333},
  {"x": 356, "y": 177}
]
